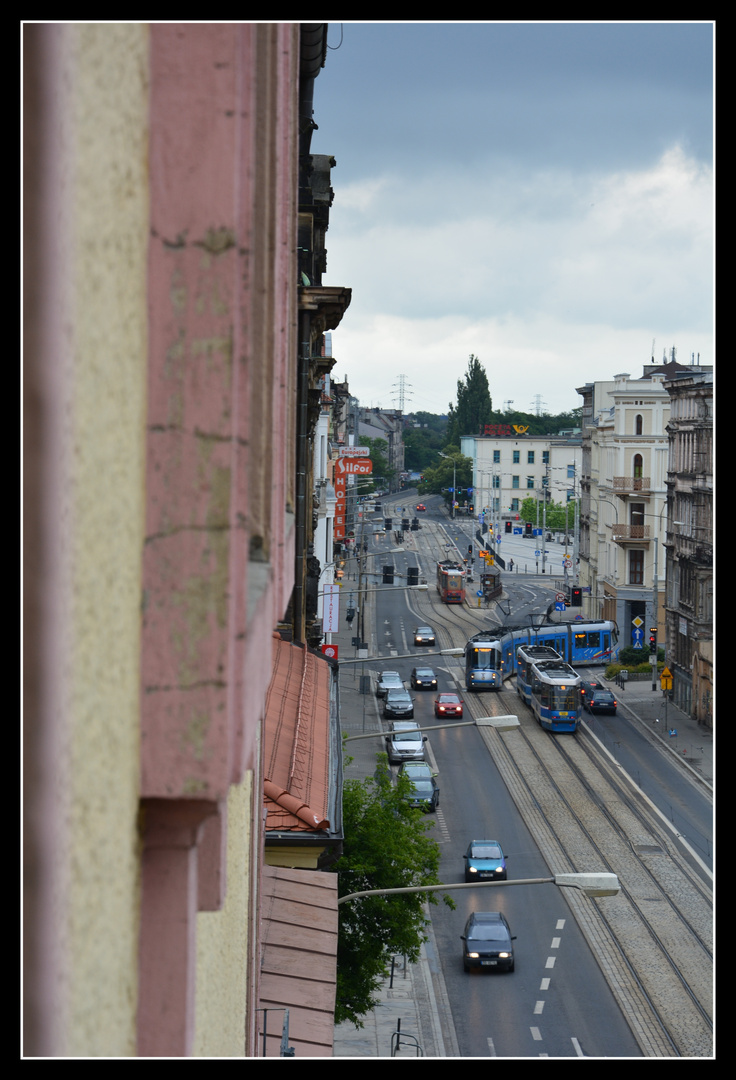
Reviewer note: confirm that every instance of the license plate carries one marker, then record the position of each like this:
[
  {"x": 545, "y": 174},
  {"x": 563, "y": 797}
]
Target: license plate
[{"x": 488, "y": 963}]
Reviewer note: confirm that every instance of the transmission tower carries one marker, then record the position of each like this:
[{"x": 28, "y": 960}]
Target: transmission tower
[
  {"x": 538, "y": 403},
  {"x": 402, "y": 392}
]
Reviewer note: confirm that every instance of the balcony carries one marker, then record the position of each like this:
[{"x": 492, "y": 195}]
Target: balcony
[
  {"x": 631, "y": 485},
  {"x": 630, "y": 534}
]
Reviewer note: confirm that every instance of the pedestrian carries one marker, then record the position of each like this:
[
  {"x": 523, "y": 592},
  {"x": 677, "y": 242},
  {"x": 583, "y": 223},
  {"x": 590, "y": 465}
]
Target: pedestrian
[{"x": 511, "y": 565}]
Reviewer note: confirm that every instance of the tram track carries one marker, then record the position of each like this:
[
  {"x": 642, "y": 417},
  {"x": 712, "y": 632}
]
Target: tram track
[{"x": 654, "y": 940}]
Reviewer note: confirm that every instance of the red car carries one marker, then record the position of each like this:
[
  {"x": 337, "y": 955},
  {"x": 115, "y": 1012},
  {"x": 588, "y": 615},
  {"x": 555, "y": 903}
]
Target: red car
[
  {"x": 421, "y": 506},
  {"x": 448, "y": 705}
]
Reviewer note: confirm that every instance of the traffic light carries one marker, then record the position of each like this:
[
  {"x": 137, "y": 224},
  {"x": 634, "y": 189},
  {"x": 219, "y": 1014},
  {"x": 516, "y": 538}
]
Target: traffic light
[
  {"x": 508, "y": 526},
  {"x": 653, "y": 640},
  {"x": 388, "y": 575},
  {"x": 576, "y": 596}
]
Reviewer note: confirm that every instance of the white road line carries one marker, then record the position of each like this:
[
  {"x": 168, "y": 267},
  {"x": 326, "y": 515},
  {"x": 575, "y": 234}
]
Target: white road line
[
  {"x": 578, "y": 1048},
  {"x": 491, "y": 1048},
  {"x": 544, "y": 985},
  {"x": 556, "y": 942},
  {"x": 550, "y": 962},
  {"x": 536, "y": 1034},
  {"x": 538, "y": 1006},
  {"x": 560, "y": 924}
]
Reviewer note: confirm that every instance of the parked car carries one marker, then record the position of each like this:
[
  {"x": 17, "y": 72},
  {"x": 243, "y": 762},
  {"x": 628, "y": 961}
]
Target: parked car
[
  {"x": 388, "y": 680},
  {"x": 600, "y": 701},
  {"x": 398, "y": 704},
  {"x": 425, "y": 793},
  {"x": 405, "y": 742},
  {"x": 448, "y": 705},
  {"x": 423, "y": 678},
  {"x": 487, "y": 942},
  {"x": 423, "y": 635},
  {"x": 485, "y": 860}
]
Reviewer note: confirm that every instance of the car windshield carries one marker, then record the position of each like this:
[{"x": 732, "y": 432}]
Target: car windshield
[
  {"x": 486, "y": 851},
  {"x": 489, "y": 932},
  {"x": 425, "y": 673},
  {"x": 406, "y": 736},
  {"x": 423, "y": 788},
  {"x": 424, "y": 630}
]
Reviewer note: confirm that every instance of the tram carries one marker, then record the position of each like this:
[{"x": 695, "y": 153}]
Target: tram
[
  {"x": 579, "y": 643},
  {"x": 526, "y": 656},
  {"x": 483, "y": 663},
  {"x": 555, "y": 695},
  {"x": 451, "y": 582}
]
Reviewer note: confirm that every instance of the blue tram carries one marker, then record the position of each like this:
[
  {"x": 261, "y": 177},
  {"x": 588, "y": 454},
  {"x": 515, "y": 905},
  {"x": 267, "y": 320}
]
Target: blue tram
[
  {"x": 483, "y": 663},
  {"x": 555, "y": 695},
  {"x": 526, "y": 656},
  {"x": 579, "y": 643}
]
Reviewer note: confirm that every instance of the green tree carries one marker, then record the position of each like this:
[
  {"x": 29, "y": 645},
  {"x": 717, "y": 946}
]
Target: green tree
[
  {"x": 454, "y": 466},
  {"x": 386, "y": 846},
  {"x": 378, "y": 454},
  {"x": 474, "y": 407},
  {"x": 555, "y": 514}
]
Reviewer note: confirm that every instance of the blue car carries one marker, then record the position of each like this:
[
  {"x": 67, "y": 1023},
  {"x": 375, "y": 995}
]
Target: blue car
[{"x": 485, "y": 861}]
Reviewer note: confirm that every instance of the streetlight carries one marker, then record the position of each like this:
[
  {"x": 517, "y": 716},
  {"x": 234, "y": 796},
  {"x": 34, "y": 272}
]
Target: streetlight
[{"x": 591, "y": 884}]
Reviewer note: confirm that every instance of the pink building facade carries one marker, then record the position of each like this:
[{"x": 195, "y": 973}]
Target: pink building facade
[{"x": 192, "y": 130}]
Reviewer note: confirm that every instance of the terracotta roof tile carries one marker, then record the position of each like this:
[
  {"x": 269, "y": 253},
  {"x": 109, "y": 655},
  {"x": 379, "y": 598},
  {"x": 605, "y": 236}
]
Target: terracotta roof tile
[{"x": 296, "y": 762}]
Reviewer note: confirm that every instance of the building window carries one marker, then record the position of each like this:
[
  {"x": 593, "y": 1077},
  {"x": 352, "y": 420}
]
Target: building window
[
  {"x": 514, "y": 506},
  {"x": 497, "y": 481},
  {"x": 638, "y": 466},
  {"x": 639, "y": 425},
  {"x": 545, "y": 457},
  {"x": 530, "y": 483},
  {"x": 530, "y": 457},
  {"x": 636, "y": 568},
  {"x": 514, "y": 481},
  {"x": 517, "y": 457},
  {"x": 496, "y": 456}
]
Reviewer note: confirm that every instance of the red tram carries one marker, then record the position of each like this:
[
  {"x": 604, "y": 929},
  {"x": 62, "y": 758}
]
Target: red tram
[{"x": 451, "y": 582}]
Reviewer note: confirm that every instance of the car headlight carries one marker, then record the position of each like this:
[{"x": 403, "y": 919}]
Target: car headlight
[
  {"x": 473, "y": 955},
  {"x": 504, "y": 955},
  {"x": 499, "y": 869},
  {"x": 473, "y": 869}
]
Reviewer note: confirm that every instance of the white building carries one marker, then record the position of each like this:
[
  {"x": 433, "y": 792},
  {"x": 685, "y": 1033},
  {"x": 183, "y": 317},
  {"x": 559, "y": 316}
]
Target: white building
[
  {"x": 623, "y": 518},
  {"x": 510, "y": 466}
]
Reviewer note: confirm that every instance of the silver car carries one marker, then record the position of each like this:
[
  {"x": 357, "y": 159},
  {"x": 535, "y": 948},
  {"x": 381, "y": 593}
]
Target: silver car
[
  {"x": 405, "y": 742},
  {"x": 388, "y": 680},
  {"x": 398, "y": 704}
]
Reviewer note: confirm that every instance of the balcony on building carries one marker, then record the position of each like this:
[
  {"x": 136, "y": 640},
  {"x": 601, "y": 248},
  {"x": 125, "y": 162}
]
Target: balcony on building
[
  {"x": 630, "y": 534},
  {"x": 632, "y": 485}
]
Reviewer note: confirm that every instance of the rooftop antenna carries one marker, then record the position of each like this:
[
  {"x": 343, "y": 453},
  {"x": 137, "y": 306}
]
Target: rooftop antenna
[
  {"x": 506, "y": 405},
  {"x": 653, "y": 341}
]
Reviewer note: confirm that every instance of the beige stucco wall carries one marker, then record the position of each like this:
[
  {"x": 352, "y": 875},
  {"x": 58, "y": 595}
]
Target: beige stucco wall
[
  {"x": 97, "y": 201},
  {"x": 223, "y": 941}
]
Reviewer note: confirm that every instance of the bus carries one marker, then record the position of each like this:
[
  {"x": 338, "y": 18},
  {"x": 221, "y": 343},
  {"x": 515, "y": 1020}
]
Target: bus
[
  {"x": 483, "y": 663},
  {"x": 451, "y": 582},
  {"x": 555, "y": 695}
]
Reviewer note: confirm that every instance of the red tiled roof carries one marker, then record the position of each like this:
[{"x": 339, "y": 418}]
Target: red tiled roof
[
  {"x": 299, "y": 960},
  {"x": 296, "y": 756}
]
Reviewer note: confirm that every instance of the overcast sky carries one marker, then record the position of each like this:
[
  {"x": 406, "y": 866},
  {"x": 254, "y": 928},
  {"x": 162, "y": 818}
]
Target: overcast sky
[{"x": 538, "y": 194}]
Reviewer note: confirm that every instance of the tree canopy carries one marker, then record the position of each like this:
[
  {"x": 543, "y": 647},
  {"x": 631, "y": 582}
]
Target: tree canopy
[
  {"x": 386, "y": 846},
  {"x": 474, "y": 407}
]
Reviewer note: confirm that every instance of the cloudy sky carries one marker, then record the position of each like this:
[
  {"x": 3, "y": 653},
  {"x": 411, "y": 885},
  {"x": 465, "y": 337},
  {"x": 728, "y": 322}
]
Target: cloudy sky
[{"x": 538, "y": 194}]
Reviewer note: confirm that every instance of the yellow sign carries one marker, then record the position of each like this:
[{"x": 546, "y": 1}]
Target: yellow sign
[
  {"x": 666, "y": 673},
  {"x": 665, "y": 684}
]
